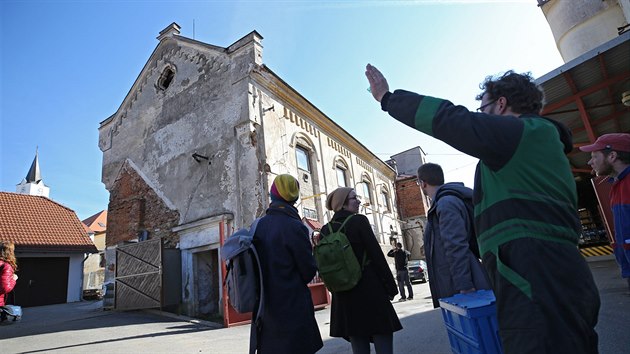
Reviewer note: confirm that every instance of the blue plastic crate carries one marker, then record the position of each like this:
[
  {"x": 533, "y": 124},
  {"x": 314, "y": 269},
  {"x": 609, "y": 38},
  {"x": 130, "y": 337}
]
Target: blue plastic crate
[{"x": 471, "y": 323}]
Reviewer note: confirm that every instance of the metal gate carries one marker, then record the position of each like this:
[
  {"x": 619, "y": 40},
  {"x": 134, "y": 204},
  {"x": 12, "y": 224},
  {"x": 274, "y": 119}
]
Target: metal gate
[{"x": 139, "y": 275}]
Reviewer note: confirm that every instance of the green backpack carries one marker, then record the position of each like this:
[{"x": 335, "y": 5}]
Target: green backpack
[{"x": 338, "y": 266}]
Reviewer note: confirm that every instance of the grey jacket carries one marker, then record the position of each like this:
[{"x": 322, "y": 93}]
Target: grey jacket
[{"x": 451, "y": 265}]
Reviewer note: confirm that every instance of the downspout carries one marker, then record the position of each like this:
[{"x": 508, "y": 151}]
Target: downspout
[
  {"x": 261, "y": 151},
  {"x": 87, "y": 255},
  {"x": 318, "y": 200}
]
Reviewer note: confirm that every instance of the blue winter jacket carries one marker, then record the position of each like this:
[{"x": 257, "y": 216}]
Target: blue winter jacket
[{"x": 451, "y": 265}]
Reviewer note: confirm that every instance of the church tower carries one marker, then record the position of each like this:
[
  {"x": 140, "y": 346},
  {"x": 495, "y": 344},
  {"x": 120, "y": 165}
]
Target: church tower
[{"x": 32, "y": 184}]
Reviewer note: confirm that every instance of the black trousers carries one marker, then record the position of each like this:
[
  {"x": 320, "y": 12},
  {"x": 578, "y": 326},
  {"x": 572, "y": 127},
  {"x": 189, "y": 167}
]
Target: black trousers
[{"x": 561, "y": 315}]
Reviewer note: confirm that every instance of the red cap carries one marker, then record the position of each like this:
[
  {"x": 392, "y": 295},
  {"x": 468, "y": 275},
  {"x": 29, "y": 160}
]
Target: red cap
[{"x": 614, "y": 141}]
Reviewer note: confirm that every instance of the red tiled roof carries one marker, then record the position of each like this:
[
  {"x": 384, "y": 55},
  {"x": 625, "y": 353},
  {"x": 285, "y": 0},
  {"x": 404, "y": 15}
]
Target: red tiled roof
[
  {"x": 97, "y": 222},
  {"x": 314, "y": 224},
  {"x": 37, "y": 223},
  {"x": 87, "y": 229}
]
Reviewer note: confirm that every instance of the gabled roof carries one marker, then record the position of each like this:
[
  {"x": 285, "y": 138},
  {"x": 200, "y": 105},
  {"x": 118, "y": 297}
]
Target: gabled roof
[
  {"x": 87, "y": 229},
  {"x": 36, "y": 224},
  {"x": 97, "y": 222},
  {"x": 168, "y": 36}
]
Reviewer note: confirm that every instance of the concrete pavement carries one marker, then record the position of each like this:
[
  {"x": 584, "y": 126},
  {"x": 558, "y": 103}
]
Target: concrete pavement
[{"x": 83, "y": 327}]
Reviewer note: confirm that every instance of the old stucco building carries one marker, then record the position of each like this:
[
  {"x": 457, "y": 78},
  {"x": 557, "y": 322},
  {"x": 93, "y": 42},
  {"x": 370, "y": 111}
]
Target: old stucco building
[
  {"x": 197, "y": 142},
  {"x": 413, "y": 204}
]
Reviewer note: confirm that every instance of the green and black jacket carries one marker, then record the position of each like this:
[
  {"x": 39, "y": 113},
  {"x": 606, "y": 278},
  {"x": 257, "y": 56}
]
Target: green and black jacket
[{"x": 523, "y": 182}]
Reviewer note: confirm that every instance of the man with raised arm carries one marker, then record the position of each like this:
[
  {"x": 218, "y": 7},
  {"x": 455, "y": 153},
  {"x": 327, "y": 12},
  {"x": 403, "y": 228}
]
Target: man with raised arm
[{"x": 525, "y": 208}]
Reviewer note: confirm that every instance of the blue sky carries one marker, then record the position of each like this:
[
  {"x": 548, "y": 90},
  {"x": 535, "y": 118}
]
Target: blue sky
[{"x": 67, "y": 65}]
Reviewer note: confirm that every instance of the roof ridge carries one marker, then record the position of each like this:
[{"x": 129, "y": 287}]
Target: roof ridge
[
  {"x": 40, "y": 196},
  {"x": 39, "y": 223}
]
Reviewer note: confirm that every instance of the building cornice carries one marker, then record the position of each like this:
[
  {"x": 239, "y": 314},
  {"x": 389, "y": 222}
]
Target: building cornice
[{"x": 283, "y": 92}]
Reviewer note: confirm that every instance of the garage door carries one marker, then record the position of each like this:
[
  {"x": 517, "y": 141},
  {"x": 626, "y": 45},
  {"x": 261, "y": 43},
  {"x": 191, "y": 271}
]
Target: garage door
[{"x": 42, "y": 281}]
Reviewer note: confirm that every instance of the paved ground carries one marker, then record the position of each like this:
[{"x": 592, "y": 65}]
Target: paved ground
[{"x": 84, "y": 328}]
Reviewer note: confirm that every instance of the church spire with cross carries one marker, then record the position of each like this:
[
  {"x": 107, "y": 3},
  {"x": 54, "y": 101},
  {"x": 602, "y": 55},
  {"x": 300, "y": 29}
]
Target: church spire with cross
[{"x": 33, "y": 184}]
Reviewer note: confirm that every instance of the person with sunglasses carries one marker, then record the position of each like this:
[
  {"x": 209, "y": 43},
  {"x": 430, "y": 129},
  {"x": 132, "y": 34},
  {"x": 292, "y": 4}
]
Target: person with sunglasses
[{"x": 525, "y": 211}]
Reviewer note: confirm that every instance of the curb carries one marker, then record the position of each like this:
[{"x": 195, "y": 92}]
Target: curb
[{"x": 608, "y": 257}]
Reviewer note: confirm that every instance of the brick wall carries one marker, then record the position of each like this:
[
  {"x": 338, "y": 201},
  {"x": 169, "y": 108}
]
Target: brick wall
[
  {"x": 410, "y": 198},
  {"x": 134, "y": 206}
]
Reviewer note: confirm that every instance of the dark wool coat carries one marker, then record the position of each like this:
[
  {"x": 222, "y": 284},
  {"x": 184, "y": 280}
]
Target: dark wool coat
[
  {"x": 6, "y": 280},
  {"x": 287, "y": 263},
  {"x": 365, "y": 309}
]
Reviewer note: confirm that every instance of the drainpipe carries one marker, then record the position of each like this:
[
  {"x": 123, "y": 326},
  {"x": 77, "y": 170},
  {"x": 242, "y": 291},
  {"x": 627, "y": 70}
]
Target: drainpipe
[
  {"x": 321, "y": 151},
  {"x": 83, "y": 276}
]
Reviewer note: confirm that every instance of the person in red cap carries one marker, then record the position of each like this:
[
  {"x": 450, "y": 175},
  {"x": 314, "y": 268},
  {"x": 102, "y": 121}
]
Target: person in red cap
[{"x": 610, "y": 156}]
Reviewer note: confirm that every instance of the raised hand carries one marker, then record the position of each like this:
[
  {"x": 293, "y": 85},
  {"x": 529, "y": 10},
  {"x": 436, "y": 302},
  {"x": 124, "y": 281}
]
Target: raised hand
[{"x": 378, "y": 84}]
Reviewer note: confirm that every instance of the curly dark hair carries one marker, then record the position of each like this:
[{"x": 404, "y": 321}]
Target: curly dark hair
[{"x": 522, "y": 94}]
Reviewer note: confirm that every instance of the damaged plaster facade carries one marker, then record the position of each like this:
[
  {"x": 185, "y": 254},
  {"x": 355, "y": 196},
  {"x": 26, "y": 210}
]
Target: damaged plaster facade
[{"x": 196, "y": 144}]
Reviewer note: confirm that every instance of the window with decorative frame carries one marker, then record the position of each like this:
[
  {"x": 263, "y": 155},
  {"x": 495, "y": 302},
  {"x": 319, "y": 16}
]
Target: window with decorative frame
[
  {"x": 303, "y": 161},
  {"x": 385, "y": 200},
  {"x": 341, "y": 176},
  {"x": 365, "y": 192}
]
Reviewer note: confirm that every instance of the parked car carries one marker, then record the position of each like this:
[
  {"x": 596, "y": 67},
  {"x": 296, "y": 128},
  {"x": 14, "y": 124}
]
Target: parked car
[{"x": 418, "y": 270}]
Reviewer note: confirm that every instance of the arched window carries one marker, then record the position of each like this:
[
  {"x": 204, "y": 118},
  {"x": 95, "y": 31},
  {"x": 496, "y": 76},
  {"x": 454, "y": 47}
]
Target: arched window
[
  {"x": 341, "y": 176},
  {"x": 301, "y": 140},
  {"x": 341, "y": 171},
  {"x": 364, "y": 189},
  {"x": 303, "y": 160},
  {"x": 166, "y": 78},
  {"x": 385, "y": 200}
]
